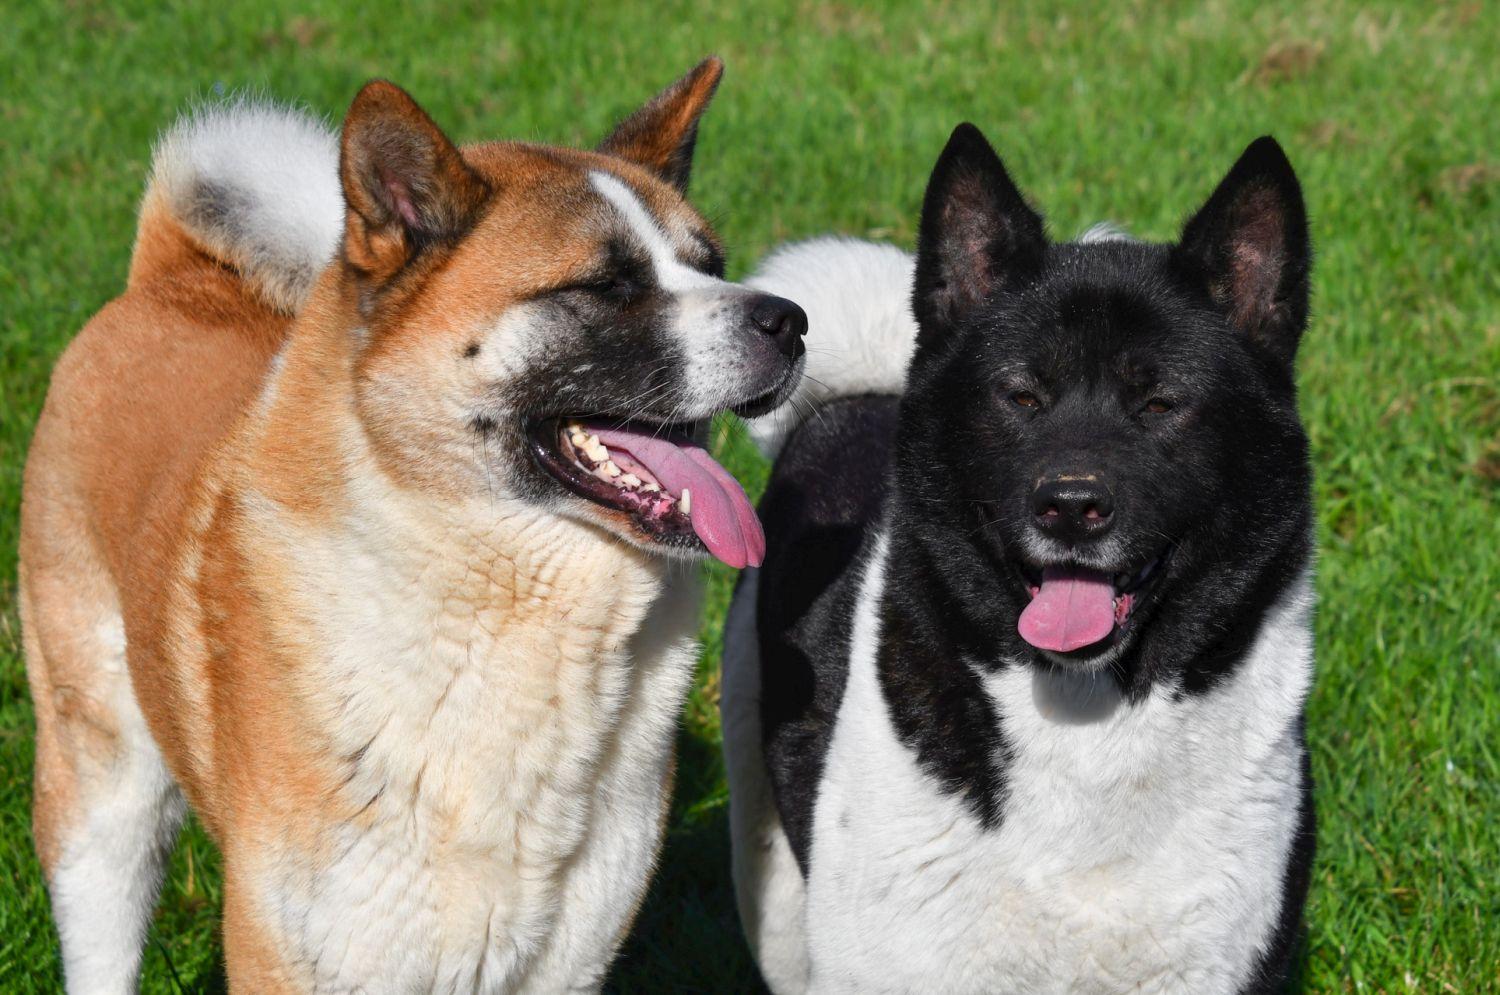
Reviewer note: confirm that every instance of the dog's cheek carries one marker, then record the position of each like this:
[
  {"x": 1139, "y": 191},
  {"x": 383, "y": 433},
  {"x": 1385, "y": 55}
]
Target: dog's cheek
[{"x": 617, "y": 359}]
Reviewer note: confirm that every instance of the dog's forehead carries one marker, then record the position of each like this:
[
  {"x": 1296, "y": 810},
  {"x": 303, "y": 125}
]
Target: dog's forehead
[
  {"x": 570, "y": 208},
  {"x": 664, "y": 239},
  {"x": 1083, "y": 320},
  {"x": 647, "y": 206}
]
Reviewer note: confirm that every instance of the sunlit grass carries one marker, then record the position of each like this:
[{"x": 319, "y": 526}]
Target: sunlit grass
[{"x": 828, "y": 120}]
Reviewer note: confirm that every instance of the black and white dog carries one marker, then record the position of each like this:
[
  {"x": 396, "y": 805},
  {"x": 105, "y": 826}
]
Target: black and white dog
[{"x": 1015, "y": 703}]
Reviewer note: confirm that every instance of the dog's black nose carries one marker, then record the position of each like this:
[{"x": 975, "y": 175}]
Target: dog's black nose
[
  {"x": 784, "y": 321},
  {"x": 1073, "y": 506}
]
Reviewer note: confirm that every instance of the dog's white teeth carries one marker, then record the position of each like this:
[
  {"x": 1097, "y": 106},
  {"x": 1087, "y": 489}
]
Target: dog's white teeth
[
  {"x": 651, "y": 487},
  {"x": 594, "y": 449},
  {"x": 610, "y": 468},
  {"x": 629, "y": 480},
  {"x": 685, "y": 503},
  {"x": 578, "y": 439}
]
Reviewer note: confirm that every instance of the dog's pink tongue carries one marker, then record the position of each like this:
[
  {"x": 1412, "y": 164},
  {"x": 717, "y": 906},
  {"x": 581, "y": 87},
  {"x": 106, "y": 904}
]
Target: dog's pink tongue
[
  {"x": 722, "y": 515},
  {"x": 1073, "y": 608}
]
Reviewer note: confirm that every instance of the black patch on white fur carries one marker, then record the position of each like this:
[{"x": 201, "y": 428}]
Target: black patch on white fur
[
  {"x": 816, "y": 523},
  {"x": 606, "y": 346},
  {"x": 604, "y": 357},
  {"x": 217, "y": 207},
  {"x": 931, "y": 655}
]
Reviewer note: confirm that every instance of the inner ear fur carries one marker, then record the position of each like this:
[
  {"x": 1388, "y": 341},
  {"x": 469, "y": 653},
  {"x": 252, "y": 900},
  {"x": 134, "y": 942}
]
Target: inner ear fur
[
  {"x": 406, "y": 185},
  {"x": 1248, "y": 247},
  {"x": 661, "y": 135},
  {"x": 976, "y": 231}
]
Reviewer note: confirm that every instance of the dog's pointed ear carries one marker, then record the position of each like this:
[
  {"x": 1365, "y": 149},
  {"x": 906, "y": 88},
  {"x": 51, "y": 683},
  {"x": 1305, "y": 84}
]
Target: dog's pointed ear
[
  {"x": 1248, "y": 247},
  {"x": 405, "y": 184},
  {"x": 977, "y": 231},
  {"x": 661, "y": 135}
]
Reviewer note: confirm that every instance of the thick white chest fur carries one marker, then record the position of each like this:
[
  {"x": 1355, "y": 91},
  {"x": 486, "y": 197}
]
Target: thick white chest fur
[
  {"x": 501, "y": 716},
  {"x": 1142, "y": 845}
]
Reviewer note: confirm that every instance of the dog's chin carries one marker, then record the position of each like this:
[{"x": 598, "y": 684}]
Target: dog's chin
[
  {"x": 1089, "y": 659},
  {"x": 775, "y": 397}
]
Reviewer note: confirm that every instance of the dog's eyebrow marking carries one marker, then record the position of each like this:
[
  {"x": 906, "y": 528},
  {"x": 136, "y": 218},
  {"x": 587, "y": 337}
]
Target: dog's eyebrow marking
[{"x": 672, "y": 274}]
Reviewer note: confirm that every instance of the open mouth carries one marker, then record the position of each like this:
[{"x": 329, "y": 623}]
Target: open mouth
[
  {"x": 1075, "y": 608},
  {"x": 666, "y": 485}
]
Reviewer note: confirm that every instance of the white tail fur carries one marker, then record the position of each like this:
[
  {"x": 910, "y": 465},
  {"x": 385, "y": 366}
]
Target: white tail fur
[
  {"x": 256, "y": 184},
  {"x": 861, "y": 332}
]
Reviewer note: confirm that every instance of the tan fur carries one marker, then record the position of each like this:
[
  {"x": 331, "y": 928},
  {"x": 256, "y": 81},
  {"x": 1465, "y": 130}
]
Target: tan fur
[{"x": 212, "y": 499}]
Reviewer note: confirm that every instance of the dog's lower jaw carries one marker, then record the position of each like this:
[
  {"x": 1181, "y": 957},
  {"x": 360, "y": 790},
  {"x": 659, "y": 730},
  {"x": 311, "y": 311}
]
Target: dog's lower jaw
[{"x": 1090, "y": 664}]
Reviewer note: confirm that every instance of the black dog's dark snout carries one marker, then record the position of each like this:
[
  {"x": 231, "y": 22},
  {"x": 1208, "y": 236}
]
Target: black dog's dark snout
[
  {"x": 1073, "y": 506},
  {"x": 784, "y": 321}
]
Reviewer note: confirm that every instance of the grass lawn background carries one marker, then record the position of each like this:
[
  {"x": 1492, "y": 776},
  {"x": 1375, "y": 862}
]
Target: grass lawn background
[{"x": 829, "y": 118}]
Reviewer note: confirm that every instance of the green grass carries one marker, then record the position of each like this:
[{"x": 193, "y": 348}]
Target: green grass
[{"x": 828, "y": 120}]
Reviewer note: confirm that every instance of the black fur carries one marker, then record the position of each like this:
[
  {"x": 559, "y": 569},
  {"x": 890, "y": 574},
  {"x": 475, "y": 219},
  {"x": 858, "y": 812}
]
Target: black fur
[
  {"x": 979, "y": 229},
  {"x": 1095, "y": 335},
  {"x": 1164, "y": 371},
  {"x": 808, "y": 585}
]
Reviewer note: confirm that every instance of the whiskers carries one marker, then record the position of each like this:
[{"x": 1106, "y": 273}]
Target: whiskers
[
  {"x": 482, "y": 429},
  {"x": 637, "y": 405}
]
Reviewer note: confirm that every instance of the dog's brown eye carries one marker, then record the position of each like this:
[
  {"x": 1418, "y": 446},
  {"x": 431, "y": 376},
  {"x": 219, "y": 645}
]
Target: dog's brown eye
[
  {"x": 1025, "y": 399},
  {"x": 1158, "y": 406}
]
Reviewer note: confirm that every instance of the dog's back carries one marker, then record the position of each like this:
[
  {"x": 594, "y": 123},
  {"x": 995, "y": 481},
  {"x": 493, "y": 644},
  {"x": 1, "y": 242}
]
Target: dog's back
[
  {"x": 781, "y": 695},
  {"x": 137, "y": 402},
  {"x": 161, "y": 372}
]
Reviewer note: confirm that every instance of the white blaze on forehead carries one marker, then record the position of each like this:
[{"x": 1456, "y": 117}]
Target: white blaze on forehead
[
  {"x": 672, "y": 274},
  {"x": 707, "y": 321}
]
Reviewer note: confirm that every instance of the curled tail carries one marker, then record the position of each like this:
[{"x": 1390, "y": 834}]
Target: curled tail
[
  {"x": 252, "y": 184},
  {"x": 861, "y": 332}
]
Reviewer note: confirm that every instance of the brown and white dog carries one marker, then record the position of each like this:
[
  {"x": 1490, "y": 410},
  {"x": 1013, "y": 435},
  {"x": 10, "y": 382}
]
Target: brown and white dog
[{"x": 307, "y": 538}]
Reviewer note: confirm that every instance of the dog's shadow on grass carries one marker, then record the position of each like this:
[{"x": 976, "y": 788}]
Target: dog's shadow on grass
[{"x": 687, "y": 937}]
